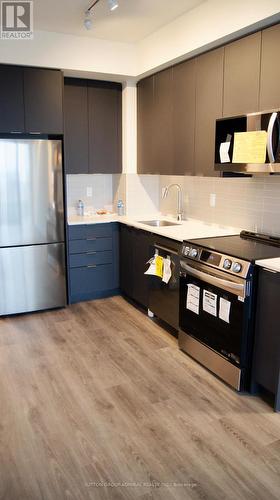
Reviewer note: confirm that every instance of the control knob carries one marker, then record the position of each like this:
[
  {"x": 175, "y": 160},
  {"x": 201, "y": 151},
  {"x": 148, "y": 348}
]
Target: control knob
[
  {"x": 236, "y": 267},
  {"x": 227, "y": 264},
  {"x": 193, "y": 252},
  {"x": 186, "y": 250}
]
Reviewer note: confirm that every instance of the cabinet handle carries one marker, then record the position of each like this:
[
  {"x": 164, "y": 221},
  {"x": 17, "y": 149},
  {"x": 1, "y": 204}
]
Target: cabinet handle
[
  {"x": 91, "y": 239},
  {"x": 16, "y": 132},
  {"x": 35, "y": 133},
  {"x": 90, "y": 253},
  {"x": 93, "y": 265}
]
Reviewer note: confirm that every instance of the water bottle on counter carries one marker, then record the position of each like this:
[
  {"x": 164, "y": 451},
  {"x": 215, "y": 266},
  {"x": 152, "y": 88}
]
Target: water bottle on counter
[
  {"x": 80, "y": 208},
  {"x": 120, "y": 207}
]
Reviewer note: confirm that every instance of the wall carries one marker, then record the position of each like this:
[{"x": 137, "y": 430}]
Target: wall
[
  {"x": 140, "y": 194},
  {"x": 212, "y": 23},
  {"x": 102, "y": 192},
  {"x": 248, "y": 203},
  {"x": 72, "y": 54}
]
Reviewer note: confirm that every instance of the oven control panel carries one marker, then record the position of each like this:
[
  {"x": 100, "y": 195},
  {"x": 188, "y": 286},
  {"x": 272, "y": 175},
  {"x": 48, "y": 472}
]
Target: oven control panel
[{"x": 214, "y": 259}]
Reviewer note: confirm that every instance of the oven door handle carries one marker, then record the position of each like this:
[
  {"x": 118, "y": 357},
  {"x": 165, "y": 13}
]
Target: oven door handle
[{"x": 230, "y": 286}]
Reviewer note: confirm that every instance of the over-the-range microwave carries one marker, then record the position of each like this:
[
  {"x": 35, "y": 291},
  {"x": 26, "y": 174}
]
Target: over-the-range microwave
[{"x": 248, "y": 143}]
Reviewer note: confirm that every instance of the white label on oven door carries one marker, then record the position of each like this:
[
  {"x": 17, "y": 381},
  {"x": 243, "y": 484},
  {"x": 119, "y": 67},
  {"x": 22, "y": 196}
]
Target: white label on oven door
[
  {"x": 224, "y": 310},
  {"x": 192, "y": 302},
  {"x": 210, "y": 302}
]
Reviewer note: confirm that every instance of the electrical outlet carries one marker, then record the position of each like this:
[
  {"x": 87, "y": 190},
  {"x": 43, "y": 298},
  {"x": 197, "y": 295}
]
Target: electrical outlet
[
  {"x": 89, "y": 191},
  {"x": 212, "y": 200}
]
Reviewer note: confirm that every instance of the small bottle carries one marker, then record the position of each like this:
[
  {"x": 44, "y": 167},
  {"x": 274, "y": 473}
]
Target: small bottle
[
  {"x": 120, "y": 206},
  {"x": 80, "y": 208}
]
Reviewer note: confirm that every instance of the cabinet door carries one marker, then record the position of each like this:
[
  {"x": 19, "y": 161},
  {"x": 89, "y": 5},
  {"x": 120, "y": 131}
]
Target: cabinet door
[
  {"x": 241, "y": 76},
  {"x": 43, "y": 101},
  {"x": 183, "y": 117},
  {"x": 267, "y": 340},
  {"x": 142, "y": 243},
  {"x": 105, "y": 134},
  {"x": 270, "y": 69},
  {"x": 11, "y": 99},
  {"x": 145, "y": 126},
  {"x": 126, "y": 260},
  {"x": 208, "y": 107},
  {"x": 163, "y": 136},
  {"x": 76, "y": 126}
]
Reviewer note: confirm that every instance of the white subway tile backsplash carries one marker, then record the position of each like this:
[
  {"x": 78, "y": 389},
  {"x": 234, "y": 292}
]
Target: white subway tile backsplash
[
  {"x": 100, "y": 185},
  {"x": 249, "y": 203}
]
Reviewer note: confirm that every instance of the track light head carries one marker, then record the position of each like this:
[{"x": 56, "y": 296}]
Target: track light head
[
  {"x": 113, "y": 4},
  {"x": 87, "y": 21}
]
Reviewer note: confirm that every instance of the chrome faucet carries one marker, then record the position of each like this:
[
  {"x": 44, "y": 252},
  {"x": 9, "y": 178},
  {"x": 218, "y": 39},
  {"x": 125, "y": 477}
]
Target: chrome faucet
[{"x": 179, "y": 198}]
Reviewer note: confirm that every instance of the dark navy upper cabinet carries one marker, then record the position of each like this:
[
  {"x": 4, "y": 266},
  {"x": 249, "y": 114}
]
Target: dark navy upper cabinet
[
  {"x": 43, "y": 89},
  {"x": 76, "y": 126},
  {"x": 105, "y": 128},
  {"x": 11, "y": 99},
  {"x": 93, "y": 126}
]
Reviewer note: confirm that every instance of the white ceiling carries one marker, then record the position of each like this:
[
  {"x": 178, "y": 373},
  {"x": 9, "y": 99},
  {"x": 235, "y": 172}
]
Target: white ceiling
[{"x": 131, "y": 22}]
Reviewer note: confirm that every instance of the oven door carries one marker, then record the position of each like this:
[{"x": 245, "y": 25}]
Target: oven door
[{"x": 213, "y": 310}]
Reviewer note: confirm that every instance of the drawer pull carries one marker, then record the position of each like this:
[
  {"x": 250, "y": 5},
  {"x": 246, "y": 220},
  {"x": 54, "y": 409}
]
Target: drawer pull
[
  {"x": 91, "y": 253},
  {"x": 92, "y": 266},
  {"x": 91, "y": 239}
]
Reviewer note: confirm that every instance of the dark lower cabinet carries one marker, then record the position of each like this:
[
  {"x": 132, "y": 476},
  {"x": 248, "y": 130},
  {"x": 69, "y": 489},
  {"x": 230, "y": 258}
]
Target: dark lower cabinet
[
  {"x": 135, "y": 251},
  {"x": 126, "y": 259},
  {"x": 93, "y": 257},
  {"x": 266, "y": 363},
  {"x": 43, "y": 90},
  {"x": 142, "y": 251},
  {"x": 11, "y": 99}
]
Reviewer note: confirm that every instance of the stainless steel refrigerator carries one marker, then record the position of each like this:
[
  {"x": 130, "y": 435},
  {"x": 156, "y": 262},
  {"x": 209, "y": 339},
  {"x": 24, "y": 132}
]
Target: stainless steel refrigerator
[{"x": 32, "y": 242}]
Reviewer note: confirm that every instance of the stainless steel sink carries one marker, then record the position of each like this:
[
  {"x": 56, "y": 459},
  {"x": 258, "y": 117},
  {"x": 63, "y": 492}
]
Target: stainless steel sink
[{"x": 158, "y": 223}]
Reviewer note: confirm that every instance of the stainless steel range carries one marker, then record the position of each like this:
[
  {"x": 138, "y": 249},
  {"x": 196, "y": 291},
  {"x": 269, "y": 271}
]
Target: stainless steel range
[{"x": 217, "y": 291}]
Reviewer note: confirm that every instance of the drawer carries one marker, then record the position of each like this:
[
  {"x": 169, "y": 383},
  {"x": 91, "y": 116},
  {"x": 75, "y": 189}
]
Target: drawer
[
  {"x": 90, "y": 245},
  {"x": 86, "y": 280},
  {"x": 88, "y": 259},
  {"x": 87, "y": 231}
]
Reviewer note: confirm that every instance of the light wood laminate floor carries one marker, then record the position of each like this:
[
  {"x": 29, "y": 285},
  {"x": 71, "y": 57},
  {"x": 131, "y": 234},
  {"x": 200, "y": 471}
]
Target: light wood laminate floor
[{"x": 98, "y": 393}]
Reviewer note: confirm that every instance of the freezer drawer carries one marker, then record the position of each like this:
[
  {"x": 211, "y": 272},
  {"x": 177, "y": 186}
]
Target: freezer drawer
[{"x": 32, "y": 278}]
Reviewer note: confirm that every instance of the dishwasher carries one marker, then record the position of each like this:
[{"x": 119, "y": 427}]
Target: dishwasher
[{"x": 163, "y": 299}]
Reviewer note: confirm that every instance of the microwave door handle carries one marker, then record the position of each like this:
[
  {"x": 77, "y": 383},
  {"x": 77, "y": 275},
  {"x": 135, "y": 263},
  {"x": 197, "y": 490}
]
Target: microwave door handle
[
  {"x": 230, "y": 286},
  {"x": 270, "y": 128}
]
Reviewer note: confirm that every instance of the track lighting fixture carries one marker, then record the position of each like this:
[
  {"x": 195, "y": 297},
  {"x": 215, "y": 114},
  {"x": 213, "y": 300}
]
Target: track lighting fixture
[
  {"x": 87, "y": 21},
  {"x": 112, "y": 4}
]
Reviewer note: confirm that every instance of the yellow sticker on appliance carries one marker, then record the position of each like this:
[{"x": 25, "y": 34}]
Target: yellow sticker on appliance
[
  {"x": 249, "y": 147},
  {"x": 159, "y": 266}
]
